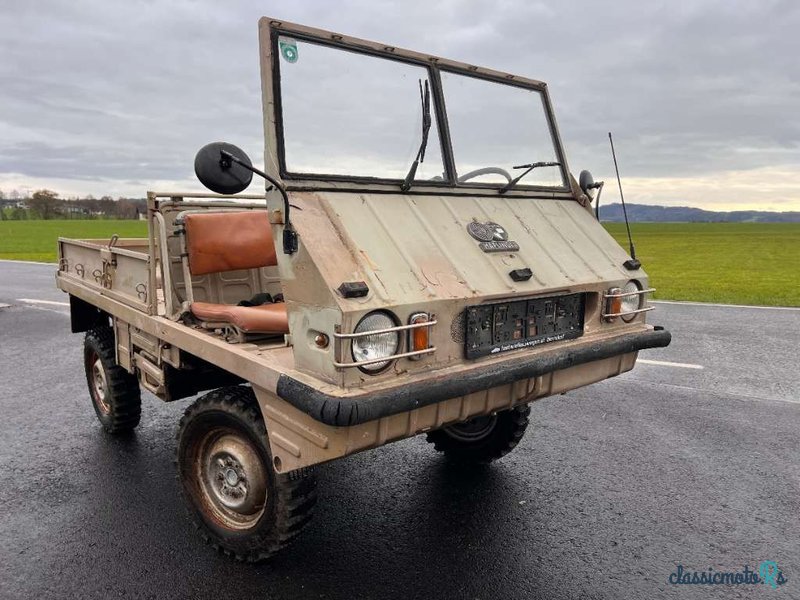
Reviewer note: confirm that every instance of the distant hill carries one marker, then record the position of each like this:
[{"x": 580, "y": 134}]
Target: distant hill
[{"x": 645, "y": 212}]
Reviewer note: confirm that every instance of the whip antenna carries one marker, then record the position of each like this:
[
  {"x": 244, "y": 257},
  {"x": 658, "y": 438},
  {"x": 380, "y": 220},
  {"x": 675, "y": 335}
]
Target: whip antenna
[{"x": 633, "y": 263}]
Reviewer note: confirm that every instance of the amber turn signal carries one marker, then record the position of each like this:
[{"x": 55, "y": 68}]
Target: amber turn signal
[
  {"x": 614, "y": 306},
  {"x": 418, "y": 338}
]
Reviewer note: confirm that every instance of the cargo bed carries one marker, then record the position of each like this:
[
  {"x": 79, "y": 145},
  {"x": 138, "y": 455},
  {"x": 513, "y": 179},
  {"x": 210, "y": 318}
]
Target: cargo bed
[{"x": 118, "y": 268}]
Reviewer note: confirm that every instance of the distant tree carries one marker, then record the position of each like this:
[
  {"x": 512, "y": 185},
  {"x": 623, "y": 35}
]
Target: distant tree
[
  {"x": 2, "y": 195},
  {"x": 126, "y": 209},
  {"x": 14, "y": 195},
  {"x": 107, "y": 206},
  {"x": 45, "y": 203}
]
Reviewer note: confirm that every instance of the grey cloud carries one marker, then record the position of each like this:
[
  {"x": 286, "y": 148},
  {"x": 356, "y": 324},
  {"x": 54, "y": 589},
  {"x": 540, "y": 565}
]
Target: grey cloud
[{"x": 129, "y": 91}]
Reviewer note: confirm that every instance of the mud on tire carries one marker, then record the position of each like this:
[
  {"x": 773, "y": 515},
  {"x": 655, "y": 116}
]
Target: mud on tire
[
  {"x": 115, "y": 392},
  {"x": 241, "y": 506},
  {"x": 484, "y": 439}
]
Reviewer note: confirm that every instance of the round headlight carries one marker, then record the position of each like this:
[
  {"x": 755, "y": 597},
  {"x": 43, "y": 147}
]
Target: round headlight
[
  {"x": 632, "y": 302},
  {"x": 379, "y": 345}
]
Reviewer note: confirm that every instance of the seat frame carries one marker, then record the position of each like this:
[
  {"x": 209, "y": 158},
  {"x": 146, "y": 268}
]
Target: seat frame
[
  {"x": 228, "y": 331},
  {"x": 231, "y": 333}
]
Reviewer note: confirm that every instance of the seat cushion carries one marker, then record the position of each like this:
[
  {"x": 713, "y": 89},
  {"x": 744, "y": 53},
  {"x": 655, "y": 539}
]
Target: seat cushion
[{"x": 266, "y": 318}]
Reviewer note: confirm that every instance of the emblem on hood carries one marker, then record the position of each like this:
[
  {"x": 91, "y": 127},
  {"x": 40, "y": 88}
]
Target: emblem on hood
[{"x": 492, "y": 237}]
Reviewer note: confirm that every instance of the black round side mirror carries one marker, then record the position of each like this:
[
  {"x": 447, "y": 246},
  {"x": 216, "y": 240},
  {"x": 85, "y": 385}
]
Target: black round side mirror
[
  {"x": 586, "y": 181},
  {"x": 218, "y": 172}
]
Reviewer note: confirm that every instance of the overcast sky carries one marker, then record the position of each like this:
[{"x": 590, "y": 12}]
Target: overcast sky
[{"x": 703, "y": 97}]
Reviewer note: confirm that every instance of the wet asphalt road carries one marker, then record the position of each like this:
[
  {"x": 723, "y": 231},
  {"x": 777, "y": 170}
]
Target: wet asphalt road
[{"x": 612, "y": 487}]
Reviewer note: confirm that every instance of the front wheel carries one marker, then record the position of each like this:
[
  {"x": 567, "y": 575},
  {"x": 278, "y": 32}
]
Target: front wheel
[
  {"x": 482, "y": 439},
  {"x": 242, "y": 507}
]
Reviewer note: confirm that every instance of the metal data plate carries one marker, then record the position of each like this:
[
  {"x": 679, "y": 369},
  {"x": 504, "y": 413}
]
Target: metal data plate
[
  {"x": 503, "y": 326},
  {"x": 501, "y": 246}
]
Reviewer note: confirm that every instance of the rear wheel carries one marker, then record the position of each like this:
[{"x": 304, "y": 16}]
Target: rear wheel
[
  {"x": 242, "y": 507},
  {"x": 115, "y": 392},
  {"x": 482, "y": 439}
]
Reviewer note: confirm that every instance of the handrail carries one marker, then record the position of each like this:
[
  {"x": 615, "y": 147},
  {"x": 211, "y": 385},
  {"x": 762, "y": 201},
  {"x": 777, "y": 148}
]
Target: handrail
[
  {"x": 641, "y": 293},
  {"x": 387, "y": 330},
  {"x": 339, "y": 363}
]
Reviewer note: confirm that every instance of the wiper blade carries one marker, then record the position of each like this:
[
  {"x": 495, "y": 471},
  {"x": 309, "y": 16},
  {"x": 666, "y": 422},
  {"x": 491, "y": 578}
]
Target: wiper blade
[
  {"x": 425, "y": 98},
  {"x": 528, "y": 168}
]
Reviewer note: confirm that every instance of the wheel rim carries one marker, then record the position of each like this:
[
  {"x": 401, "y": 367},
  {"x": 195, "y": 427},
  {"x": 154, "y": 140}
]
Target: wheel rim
[
  {"x": 232, "y": 479},
  {"x": 99, "y": 384},
  {"x": 473, "y": 430}
]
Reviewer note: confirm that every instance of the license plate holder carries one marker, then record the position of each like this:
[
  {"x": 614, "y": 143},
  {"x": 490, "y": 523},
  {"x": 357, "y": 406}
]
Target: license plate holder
[{"x": 515, "y": 324}]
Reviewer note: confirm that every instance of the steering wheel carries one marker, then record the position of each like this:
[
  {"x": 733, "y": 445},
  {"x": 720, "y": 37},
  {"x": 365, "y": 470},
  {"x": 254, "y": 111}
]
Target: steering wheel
[{"x": 484, "y": 171}]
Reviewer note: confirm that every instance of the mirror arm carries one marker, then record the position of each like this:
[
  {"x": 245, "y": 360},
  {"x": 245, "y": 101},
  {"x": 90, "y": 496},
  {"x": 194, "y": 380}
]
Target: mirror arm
[
  {"x": 289, "y": 234},
  {"x": 599, "y": 186}
]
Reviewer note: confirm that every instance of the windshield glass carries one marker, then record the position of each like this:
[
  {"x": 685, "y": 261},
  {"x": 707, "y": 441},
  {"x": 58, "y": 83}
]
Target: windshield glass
[
  {"x": 351, "y": 114},
  {"x": 498, "y": 126}
]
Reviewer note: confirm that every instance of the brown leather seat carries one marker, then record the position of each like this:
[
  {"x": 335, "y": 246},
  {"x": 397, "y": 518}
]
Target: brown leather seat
[
  {"x": 228, "y": 241},
  {"x": 266, "y": 318}
]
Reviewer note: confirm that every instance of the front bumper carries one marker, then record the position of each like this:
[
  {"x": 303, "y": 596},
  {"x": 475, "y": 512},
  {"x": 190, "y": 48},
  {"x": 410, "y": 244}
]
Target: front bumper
[{"x": 370, "y": 405}]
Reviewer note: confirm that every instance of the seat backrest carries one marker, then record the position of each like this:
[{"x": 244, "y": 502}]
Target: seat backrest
[{"x": 229, "y": 241}]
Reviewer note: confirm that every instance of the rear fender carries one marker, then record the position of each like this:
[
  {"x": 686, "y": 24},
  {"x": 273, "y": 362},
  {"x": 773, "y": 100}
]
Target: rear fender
[{"x": 85, "y": 316}]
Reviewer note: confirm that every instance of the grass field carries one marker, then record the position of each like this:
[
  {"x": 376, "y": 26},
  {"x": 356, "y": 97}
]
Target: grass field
[
  {"x": 36, "y": 240},
  {"x": 732, "y": 263},
  {"x": 735, "y": 263}
]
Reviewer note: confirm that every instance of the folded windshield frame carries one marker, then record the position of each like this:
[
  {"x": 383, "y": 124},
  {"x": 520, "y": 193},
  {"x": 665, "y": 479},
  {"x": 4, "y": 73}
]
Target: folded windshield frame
[{"x": 272, "y": 30}]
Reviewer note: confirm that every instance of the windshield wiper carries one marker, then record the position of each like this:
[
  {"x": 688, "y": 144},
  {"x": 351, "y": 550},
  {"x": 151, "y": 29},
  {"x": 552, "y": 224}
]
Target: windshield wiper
[
  {"x": 425, "y": 98},
  {"x": 528, "y": 169}
]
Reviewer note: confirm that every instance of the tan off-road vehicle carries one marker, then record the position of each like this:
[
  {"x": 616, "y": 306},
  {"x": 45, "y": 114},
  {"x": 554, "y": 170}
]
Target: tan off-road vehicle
[{"x": 422, "y": 261}]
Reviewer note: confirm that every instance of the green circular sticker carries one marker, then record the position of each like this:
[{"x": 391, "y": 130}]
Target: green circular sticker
[{"x": 288, "y": 50}]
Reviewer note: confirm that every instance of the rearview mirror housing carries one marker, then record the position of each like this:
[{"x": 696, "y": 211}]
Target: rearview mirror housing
[
  {"x": 220, "y": 174},
  {"x": 586, "y": 181}
]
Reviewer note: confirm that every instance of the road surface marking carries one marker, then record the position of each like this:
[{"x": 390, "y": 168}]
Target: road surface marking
[
  {"x": 2, "y": 305},
  {"x": 29, "y": 262},
  {"x": 730, "y": 395},
  {"x": 723, "y": 305},
  {"x": 48, "y": 302},
  {"x": 664, "y": 363}
]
